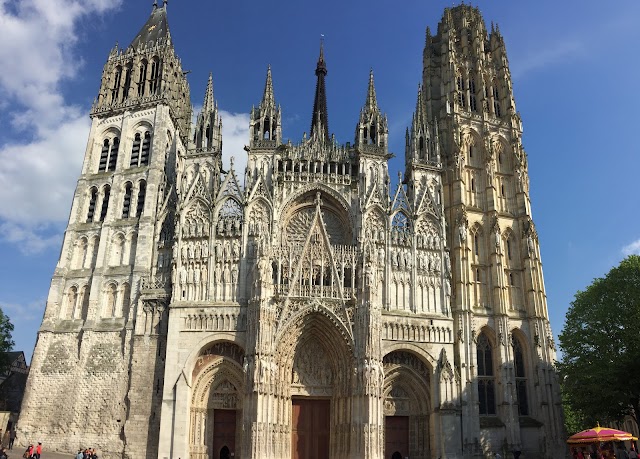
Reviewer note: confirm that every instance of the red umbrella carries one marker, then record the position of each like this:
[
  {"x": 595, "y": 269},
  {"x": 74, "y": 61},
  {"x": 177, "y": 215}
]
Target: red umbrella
[{"x": 598, "y": 433}]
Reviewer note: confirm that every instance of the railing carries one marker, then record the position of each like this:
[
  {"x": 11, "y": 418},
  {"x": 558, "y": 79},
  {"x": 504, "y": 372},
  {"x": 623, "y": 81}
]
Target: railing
[
  {"x": 314, "y": 291},
  {"x": 336, "y": 178},
  {"x": 155, "y": 283}
]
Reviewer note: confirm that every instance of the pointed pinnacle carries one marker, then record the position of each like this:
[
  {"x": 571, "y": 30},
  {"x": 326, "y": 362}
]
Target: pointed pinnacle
[
  {"x": 268, "y": 98},
  {"x": 371, "y": 93},
  {"x": 208, "y": 103}
]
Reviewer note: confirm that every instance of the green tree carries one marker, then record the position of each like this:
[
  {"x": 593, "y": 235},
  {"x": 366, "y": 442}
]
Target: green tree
[
  {"x": 600, "y": 344},
  {"x": 6, "y": 341}
]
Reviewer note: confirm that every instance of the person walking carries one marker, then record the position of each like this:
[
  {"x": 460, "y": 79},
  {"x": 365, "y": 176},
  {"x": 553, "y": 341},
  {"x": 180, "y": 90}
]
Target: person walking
[
  {"x": 38, "y": 451},
  {"x": 12, "y": 437}
]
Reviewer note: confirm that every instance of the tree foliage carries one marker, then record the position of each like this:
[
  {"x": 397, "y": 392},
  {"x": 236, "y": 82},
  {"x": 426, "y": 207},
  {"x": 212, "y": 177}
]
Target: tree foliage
[
  {"x": 6, "y": 341},
  {"x": 600, "y": 343}
]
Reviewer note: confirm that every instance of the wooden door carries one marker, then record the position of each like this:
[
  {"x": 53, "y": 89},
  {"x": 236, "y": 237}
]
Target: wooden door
[
  {"x": 310, "y": 429},
  {"x": 224, "y": 433},
  {"x": 396, "y": 437}
]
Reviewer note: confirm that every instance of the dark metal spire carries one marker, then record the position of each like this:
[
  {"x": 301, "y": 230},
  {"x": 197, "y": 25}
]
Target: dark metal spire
[{"x": 320, "y": 119}]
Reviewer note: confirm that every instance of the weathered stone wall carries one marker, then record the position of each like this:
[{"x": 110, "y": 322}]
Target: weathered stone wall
[
  {"x": 142, "y": 428},
  {"x": 75, "y": 393}
]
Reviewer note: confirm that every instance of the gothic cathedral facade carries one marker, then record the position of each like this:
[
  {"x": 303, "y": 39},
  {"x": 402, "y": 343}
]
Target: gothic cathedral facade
[{"x": 309, "y": 309}]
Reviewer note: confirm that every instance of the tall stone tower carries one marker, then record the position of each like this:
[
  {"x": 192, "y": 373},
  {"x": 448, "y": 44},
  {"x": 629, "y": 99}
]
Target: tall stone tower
[
  {"x": 312, "y": 309},
  {"x": 505, "y": 349},
  {"x": 98, "y": 366}
]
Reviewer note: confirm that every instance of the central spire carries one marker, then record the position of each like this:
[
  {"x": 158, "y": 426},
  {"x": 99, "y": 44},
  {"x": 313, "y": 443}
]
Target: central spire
[{"x": 320, "y": 119}]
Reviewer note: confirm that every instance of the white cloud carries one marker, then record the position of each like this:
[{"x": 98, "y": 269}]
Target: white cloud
[
  {"x": 631, "y": 249},
  {"x": 543, "y": 56},
  {"x": 19, "y": 313},
  {"x": 38, "y": 174},
  {"x": 235, "y": 135}
]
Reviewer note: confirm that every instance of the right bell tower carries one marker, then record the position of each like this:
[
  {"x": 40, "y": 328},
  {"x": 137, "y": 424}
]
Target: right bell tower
[{"x": 505, "y": 348}]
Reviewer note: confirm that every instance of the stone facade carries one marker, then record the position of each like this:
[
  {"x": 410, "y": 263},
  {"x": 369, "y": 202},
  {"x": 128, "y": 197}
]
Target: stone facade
[{"x": 313, "y": 310}]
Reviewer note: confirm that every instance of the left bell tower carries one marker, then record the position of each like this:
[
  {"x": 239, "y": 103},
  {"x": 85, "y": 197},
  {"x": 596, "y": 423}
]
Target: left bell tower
[{"x": 96, "y": 374}]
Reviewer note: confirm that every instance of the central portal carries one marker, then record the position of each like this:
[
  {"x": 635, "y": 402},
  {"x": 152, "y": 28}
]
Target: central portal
[{"x": 310, "y": 429}]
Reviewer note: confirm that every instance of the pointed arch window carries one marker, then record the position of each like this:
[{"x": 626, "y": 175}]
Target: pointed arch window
[
  {"x": 460, "y": 92},
  {"x": 486, "y": 377},
  {"x": 154, "y": 81},
  {"x": 142, "y": 77},
  {"x": 521, "y": 377},
  {"x": 141, "y": 195},
  {"x": 72, "y": 301},
  {"x": 509, "y": 249},
  {"x": 135, "y": 150},
  {"x": 104, "y": 155},
  {"x": 473, "y": 104},
  {"x": 126, "y": 205},
  {"x": 496, "y": 100},
  {"x": 92, "y": 204},
  {"x": 113, "y": 154},
  {"x": 126, "y": 300},
  {"x": 117, "y": 78},
  {"x": 109, "y": 155},
  {"x": 105, "y": 202},
  {"x": 81, "y": 311},
  {"x": 127, "y": 82},
  {"x": 146, "y": 148}
]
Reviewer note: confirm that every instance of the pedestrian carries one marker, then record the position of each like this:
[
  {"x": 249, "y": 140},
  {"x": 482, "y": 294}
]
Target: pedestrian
[
  {"x": 633, "y": 453},
  {"x": 12, "y": 437},
  {"x": 38, "y": 451},
  {"x": 498, "y": 456},
  {"x": 28, "y": 453}
]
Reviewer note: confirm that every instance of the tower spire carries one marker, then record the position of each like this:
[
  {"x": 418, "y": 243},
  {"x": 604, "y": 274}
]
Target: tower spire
[
  {"x": 268, "y": 99},
  {"x": 207, "y": 105},
  {"x": 371, "y": 93},
  {"x": 320, "y": 119}
]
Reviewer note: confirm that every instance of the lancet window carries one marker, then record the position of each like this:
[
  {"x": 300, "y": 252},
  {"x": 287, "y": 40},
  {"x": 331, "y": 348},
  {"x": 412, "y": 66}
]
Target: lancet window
[
  {"x": 486, "y": 377},
  {"x": 460, "y": 91},
  {"x": 473, "y": 104},
  {"x": 521, "y": 377},
  {"x": 142, "y": 191},
  {"x": 154, "y": 80},
  {"x": 126, "y": 204},
  {"x": 116, "y": 84},
  {"x": 92, "y": 204},
  {"x": 127, "y": 82},
  {"x": 106, "y": 191},
  {"x": 140, "y": 150},
  {"x": 142, "y": 78},
  {"x": 496, "y": 100},
  {"x": 109, "y": 155}
]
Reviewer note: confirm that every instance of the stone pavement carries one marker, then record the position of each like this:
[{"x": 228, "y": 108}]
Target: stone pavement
[{"x": 16, "y": 453}]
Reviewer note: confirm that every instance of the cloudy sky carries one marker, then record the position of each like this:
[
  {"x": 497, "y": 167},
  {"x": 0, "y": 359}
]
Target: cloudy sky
[{"x": 574, "y": 65}]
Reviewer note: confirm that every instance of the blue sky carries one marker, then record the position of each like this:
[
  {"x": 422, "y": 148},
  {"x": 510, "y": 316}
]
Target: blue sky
[{"x": 574, "y": 66}]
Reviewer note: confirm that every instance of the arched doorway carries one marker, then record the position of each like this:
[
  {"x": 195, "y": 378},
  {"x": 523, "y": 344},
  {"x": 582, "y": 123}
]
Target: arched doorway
[
  {"x": 216, "y": 403},
  {"x": 317, "y": 359},
  {"x": 406, "y": 406},
  {"x": 225, "y": 453}
]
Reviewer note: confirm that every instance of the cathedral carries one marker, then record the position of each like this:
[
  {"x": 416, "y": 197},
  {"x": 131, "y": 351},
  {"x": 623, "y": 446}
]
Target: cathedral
[{"x": 305, "y": 307}]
